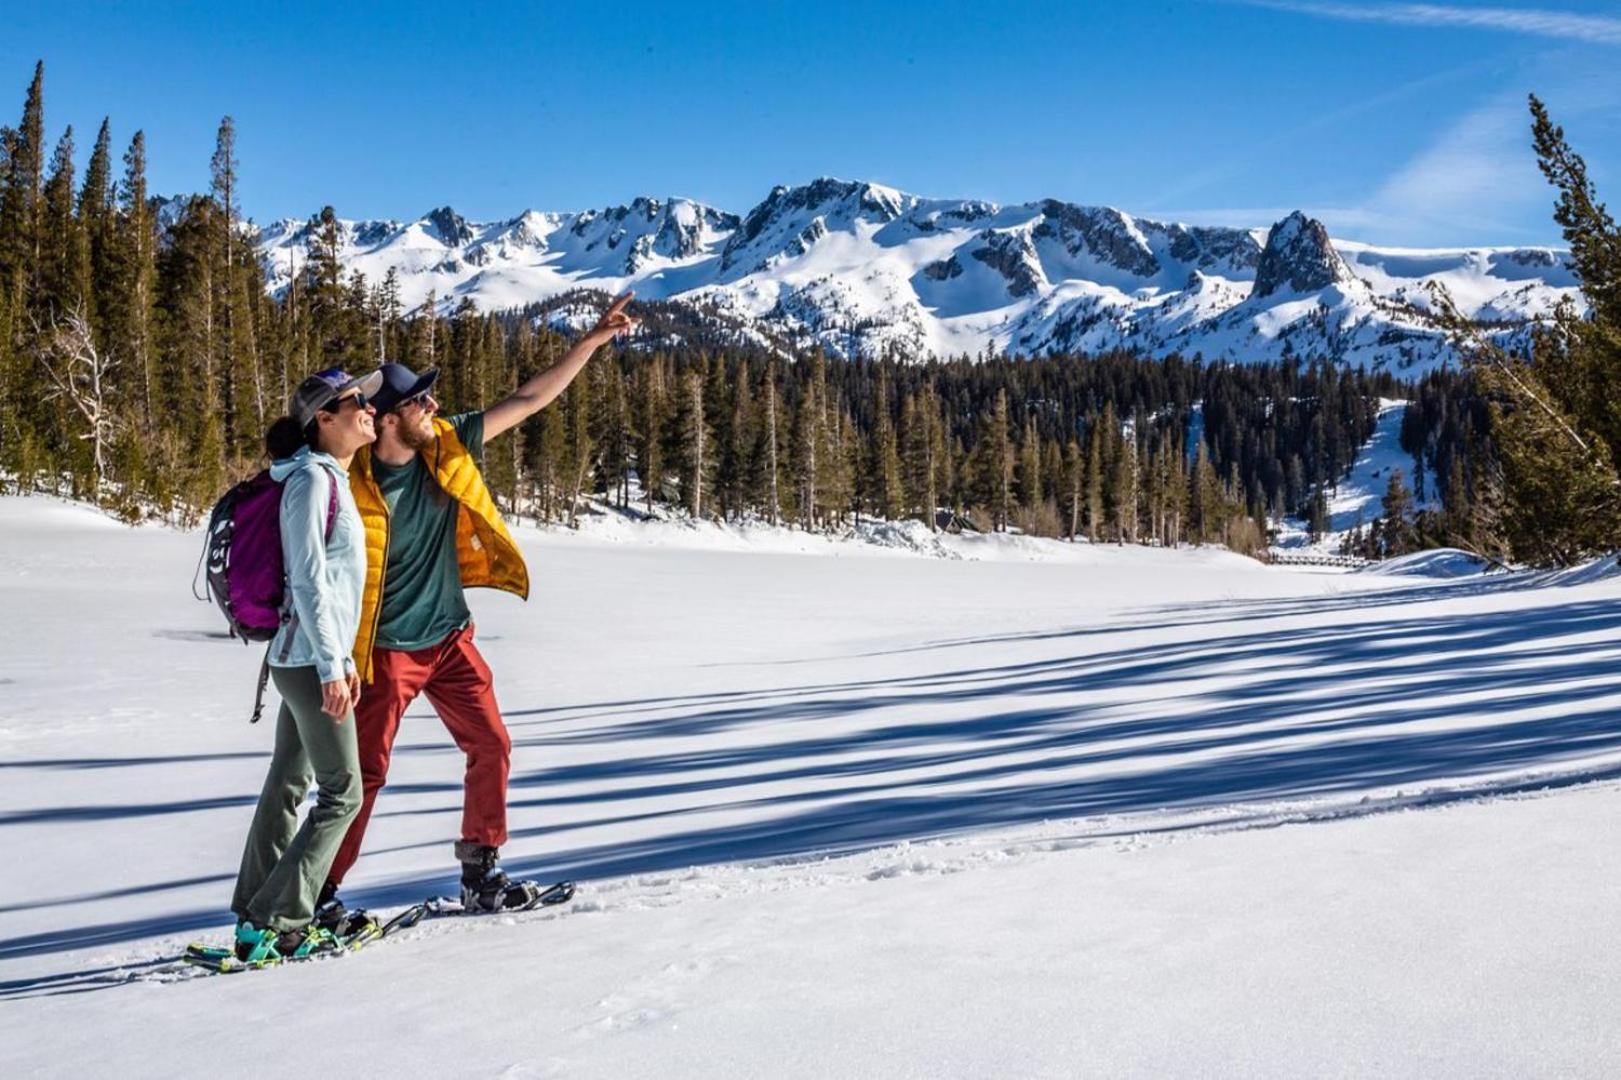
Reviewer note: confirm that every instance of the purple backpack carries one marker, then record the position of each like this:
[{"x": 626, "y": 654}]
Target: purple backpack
[{"x": 247, "y": 575}]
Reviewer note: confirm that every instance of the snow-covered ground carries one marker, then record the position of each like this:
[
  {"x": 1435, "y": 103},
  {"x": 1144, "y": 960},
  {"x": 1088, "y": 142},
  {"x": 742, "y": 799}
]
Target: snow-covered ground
[{"x": 1062, "y": 811}]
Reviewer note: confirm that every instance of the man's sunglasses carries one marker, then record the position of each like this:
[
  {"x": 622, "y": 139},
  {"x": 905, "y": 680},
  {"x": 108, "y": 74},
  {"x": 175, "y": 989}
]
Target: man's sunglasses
[{"x": 421, "y": 400}]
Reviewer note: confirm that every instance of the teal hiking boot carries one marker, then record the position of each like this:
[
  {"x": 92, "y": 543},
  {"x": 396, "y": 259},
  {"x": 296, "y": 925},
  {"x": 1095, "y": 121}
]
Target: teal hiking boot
[{"x": 256, "y": 944}]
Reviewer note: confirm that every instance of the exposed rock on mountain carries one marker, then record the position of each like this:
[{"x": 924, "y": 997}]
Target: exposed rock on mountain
[
  {"x": 1298, "y": 257},
  {"x": 860, "y": 267}
]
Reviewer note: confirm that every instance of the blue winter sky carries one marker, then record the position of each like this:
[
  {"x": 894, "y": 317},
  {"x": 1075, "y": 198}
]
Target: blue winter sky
[{"x": 1395, "y": 123}]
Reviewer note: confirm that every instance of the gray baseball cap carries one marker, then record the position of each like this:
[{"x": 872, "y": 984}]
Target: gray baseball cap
[{"x": 325, "y": 387}]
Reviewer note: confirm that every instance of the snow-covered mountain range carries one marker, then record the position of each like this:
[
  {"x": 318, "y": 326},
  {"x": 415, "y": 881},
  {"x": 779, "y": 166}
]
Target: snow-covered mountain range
[{"x": 860, "y": 267}]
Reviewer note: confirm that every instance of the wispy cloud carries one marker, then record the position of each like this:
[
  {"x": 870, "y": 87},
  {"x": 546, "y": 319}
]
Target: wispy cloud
[
  {"x": 1254, "y": 145},
  {"x": 1473, "y": 184},
  {"x": 1479, "y": 172},
  {"x": 1565, "y": 25}
]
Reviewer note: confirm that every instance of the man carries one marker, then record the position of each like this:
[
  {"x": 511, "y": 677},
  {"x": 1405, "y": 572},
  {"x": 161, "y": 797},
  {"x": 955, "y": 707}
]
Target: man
[{"x": 431, "y": 530}]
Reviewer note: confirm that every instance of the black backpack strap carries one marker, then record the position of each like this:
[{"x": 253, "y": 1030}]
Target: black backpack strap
[{"x": 259, "y": 695}]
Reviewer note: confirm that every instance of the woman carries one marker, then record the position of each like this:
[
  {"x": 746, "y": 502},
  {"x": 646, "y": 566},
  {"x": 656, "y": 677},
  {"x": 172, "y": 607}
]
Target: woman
[{"x": 324, "y": 549}]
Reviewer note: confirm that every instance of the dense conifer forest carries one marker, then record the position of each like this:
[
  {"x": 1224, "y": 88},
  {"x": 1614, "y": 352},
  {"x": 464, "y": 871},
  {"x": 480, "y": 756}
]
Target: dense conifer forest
[{"x": 141, "y": 360}]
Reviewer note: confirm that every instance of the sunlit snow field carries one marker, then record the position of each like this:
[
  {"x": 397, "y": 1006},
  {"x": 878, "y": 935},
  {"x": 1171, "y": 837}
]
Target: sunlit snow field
[{"x": 839, "y": 809}]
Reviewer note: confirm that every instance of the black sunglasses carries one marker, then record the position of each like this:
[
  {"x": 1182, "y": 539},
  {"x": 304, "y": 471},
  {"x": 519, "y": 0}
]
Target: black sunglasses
[{"x": 336, "y": 404}]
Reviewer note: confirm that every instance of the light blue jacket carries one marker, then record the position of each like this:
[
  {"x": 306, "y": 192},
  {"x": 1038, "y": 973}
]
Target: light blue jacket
[{"x": 325, "y": 577}]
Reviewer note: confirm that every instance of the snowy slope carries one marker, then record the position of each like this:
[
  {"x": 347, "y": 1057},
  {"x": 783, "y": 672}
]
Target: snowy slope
[
  {"x": 1359, "y": 497},
  {"x": 1045, "y": 773},
  {"x": 860, "y": 267}
]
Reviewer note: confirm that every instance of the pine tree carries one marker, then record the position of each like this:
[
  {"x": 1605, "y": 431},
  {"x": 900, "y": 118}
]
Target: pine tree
[
  {"x": 1030, "y": 493},
  {"x": 1595, "y": 244},
  {"x": 883, "y": 485},
  {"x": 97, "y": 211},
  {"x": 922, "y": 432},
  {"x": 577, "y": 446},
  {"x": 1317, "y": 520},
  {"x": 772, "y": 452},
  {"x": 1205, "y": 511},
  {"x": 326, "y": 298},
  {"x": 651, "y": 381},
  {"x": 995, "y": 465},
  {"x": 1555, "y": 421},
  {"x": 389, "y": 311},
  {"x": 840, "y": 461},
  {"x": 615, "y": 440},
  {"x": 693, "y": 429},
  {"x": 21, "y": 198},
  {"x": 1397, "y": 526},
  {"x": 64, "y": 254},
  {"x": 184, "y": 350},
  {"x": 1094, "y": 481},
  {"x": 136, "y": 270},
  {"x": 1123, "y": 512},
  {"x": 1074, "y": 487},
  {"x": 241, "y": 380},
  {"x": 804, "y": 436}
]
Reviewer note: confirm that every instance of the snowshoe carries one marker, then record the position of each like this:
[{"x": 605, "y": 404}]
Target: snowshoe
[
  {"x": 352, "y": 929},
  {"x": 305, "y": 943},
  {"x": 547, "y": 895},
  {"x": 486, "y": 887},
  {"x": 256, "y": 945}
]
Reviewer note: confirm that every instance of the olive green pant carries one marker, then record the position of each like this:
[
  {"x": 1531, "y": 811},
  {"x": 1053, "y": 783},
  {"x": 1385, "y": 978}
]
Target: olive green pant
[{"x": 285, "y": 864}]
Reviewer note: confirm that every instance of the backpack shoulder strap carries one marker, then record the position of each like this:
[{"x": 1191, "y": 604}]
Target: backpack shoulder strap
[
  {"x": 264, "y": 679},
  {"x": 331, "y": 504}
]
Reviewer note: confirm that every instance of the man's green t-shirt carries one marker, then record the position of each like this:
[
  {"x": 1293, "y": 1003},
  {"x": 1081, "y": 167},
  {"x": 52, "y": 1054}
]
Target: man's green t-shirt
[{"x": 422, "y": 593}]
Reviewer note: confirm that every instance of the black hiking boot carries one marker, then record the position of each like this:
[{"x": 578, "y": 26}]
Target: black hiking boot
[
  {"x": 347, "y": 926},
  {"x": 486, "y": 887},
  {"x": 306, "y": 941}
]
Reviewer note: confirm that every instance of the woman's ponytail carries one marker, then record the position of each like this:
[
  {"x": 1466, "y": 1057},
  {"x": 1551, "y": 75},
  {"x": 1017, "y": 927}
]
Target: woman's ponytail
[{"x": 284, "y": 438}]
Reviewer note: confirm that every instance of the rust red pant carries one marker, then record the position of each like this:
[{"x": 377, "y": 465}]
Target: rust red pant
[{"x": 456, "y": 680}]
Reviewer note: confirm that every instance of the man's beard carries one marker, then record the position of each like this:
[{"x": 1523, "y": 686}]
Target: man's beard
[{"x": 415, "y": 436}]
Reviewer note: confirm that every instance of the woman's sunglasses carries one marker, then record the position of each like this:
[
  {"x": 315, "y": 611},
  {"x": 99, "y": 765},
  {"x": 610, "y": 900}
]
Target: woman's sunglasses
[{"x": 336, "y": 405}]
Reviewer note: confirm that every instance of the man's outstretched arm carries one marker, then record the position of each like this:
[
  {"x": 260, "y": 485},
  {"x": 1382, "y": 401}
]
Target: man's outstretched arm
[{"x": 540, "y": 390}]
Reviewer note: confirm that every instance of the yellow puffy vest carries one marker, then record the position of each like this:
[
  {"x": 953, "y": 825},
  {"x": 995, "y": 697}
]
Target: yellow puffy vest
[{"x": 485, "y": 551}]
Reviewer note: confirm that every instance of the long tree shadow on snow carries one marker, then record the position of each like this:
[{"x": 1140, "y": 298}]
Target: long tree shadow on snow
[{"x": 1293, "y": 714}]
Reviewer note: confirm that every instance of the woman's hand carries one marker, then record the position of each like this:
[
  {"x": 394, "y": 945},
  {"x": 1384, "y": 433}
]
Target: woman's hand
[{"x": 336, "y": 700}]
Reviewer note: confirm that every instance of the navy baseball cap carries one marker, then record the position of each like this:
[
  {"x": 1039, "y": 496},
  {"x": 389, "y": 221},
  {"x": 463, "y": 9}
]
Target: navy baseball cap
[{"x": 400, "y": 384}]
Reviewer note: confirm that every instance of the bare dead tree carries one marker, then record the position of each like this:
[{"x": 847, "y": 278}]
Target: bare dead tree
[{"x": 78, "y": 373}]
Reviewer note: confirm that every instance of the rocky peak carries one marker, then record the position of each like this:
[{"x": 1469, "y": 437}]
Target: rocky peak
[
  {"x": 450, "y": 227},
  {"x": 1298, "y": 257},
  {"x": 1011, "y": 254},
  {"x": 371, "y": 233},
  {"x": 1102, "y": 232},
  {"x": 793, "y": 209},
  {"x": 681, "y": 232},
  {"x": 1213, "y": 248}
]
